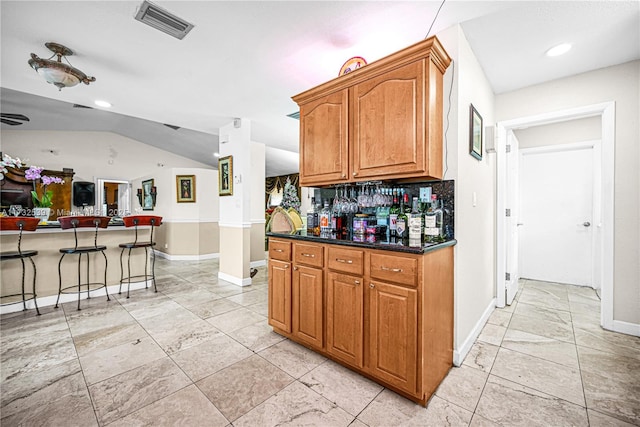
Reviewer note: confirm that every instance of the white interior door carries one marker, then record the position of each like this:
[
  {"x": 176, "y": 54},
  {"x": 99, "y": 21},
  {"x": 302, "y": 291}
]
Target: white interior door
[{"x": 556, "y": 214}]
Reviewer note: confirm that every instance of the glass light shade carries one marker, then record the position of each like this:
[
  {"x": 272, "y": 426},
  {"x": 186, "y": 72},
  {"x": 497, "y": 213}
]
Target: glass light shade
[{"x": 58, "y": 77}]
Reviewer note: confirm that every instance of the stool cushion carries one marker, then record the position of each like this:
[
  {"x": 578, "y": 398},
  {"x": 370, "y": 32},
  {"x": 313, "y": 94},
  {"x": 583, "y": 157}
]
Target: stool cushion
[
  {"x": 83, "y": 249},
  {"x": 132, "y": 245},
  {"x": 16, "y": 254}
]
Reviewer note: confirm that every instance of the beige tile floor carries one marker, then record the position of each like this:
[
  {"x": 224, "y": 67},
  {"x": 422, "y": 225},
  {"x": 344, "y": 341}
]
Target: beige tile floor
[{"x": 200, "y": 353}]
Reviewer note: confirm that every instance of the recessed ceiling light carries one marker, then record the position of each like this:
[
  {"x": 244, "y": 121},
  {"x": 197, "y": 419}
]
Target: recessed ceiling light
[
  {"x": 216, "y": 154},
  {"x": 558, "y": 50},
  {"x": 103, "y": 104}
]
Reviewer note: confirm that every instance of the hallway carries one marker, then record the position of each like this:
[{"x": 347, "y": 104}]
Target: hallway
[{"x": 200, "y": 353}]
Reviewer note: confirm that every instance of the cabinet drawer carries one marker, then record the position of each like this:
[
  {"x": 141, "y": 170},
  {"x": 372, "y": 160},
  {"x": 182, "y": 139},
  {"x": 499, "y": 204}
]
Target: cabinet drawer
[
  {"x": 308, "y": 254},
  {"x": 279, "y": 249},
  {"x": 398, "y": 269},
  {"x": 347, "y": 260}
]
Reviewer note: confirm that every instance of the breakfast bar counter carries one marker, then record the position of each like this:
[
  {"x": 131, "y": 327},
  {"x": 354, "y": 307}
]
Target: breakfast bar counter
[{"x": 48, "y": 239}]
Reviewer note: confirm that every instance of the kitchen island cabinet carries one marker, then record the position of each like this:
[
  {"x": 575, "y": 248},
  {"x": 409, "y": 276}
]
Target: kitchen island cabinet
[{"x": 383, "y": 313}]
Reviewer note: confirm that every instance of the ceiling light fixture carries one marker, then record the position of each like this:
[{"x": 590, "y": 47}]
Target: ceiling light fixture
[
  {"x": 57, "y": 73},
  {"x": 101, "y": 103},
  {"x": 558, "y": 50}
]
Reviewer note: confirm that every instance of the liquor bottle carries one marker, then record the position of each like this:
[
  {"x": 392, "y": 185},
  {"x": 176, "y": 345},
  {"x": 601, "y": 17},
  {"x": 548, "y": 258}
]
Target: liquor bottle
[
  {"x": 433, "y": 231},
  {"x": 312, "y": 218},
  {"x": 393, "y": 214},
  {"x": 407, "y": 206},
  {"x": 402, "y": 222},
  {"x": 415, "y": 224},
  {"x": 325, "y": 219}
]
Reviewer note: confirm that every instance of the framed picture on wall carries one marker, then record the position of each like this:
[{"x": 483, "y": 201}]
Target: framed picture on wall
[
  {"x": 475, "y": 133},
  {"x": 225, "y": 176},
  {"x": 186, "y": 188},
  {"x": 147, "y": 199}
]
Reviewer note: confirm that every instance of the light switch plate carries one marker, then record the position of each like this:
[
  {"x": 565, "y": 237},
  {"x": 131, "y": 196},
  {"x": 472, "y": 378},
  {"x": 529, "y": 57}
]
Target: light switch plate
[{"x": 425, "y": 194}]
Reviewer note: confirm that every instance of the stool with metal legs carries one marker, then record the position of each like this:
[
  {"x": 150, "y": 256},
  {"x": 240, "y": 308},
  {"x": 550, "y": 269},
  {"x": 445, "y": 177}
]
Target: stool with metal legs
[
  {"x": 75, "y": 222},
  {"x": 21, "y": 224},
  {"x": 139, "y": 221}
]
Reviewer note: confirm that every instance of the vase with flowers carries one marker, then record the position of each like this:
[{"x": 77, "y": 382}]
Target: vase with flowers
[{"x": 42, "y": 204}]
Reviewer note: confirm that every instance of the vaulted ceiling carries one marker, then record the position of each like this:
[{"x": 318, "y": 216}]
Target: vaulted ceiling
[{"x": 246, "y": 59}]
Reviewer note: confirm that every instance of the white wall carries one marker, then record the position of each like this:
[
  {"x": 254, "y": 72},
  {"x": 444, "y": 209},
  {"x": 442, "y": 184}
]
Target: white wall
[
  {"x": 580, "y": 130},
  {"x": 621, "y": 84},
  {"x": 91, "y": 154},
  {"x": 475, "y": 225}
]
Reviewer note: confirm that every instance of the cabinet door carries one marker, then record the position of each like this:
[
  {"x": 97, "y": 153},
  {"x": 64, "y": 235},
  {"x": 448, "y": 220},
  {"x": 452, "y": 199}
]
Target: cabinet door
[
  {"x": 280, "y": 295},
  {"x": 393, "y": 320},
  {"x": 388, "y": 135},
  {"x": 307, "y": 305},
  {"x": 345, "y": 317},
  {"x": 324, "y": 131}
]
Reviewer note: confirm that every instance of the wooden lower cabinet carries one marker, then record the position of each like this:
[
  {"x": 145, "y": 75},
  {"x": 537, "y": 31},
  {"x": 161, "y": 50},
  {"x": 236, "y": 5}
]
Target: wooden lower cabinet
[
  {"x": 345, "y": 318},
  {"x": 387, "y": 315},
  {"x": 393, "y": 334},
  {"x": 280, "y": 295},
  {"x": 307, "y": 305}
]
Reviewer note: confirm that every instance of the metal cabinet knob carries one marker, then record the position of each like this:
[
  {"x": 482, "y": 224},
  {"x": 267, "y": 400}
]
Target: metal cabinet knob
[
  {"x": 295, "y": 268},
  {"x": 371, "y": 285},
  {"x": 355, "y": 173}
]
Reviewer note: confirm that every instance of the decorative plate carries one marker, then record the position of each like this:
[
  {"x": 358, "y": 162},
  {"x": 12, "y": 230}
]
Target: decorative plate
[{"x": 352, "y": 65}]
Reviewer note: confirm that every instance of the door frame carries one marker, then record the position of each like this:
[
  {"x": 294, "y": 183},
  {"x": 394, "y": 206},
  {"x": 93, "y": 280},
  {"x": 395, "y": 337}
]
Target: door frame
[{"x": 605, "y": 271}]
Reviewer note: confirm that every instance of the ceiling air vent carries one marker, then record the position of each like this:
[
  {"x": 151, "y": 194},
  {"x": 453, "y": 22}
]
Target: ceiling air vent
[
  {"x": 295, "y": 115},
  {"x": 162, "y": 20},
  {"x": 82, "y": 106}
]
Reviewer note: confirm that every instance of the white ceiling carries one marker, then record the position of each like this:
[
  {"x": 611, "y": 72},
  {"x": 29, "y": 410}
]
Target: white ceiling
[{"x": 246, "y": 59}]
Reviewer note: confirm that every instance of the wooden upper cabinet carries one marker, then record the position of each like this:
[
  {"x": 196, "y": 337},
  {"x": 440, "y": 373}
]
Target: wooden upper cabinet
[
  {"x": 382, "y": 121},
  {"x": 323, "y": 140},
  {"x": 388, "y": 130}
]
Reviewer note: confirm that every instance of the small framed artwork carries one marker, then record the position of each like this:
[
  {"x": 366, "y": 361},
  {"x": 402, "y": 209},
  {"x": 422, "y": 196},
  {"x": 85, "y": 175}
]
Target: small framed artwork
[
  {"x": 475, "y": 133},
  {"x": 225, "y": 176},
  {"x": 147, "y": 199},
  {"x": 186, "y": 188}
]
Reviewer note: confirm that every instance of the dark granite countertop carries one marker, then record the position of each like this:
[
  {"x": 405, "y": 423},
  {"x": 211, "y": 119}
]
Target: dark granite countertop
[{"x": 366, "y": 241}]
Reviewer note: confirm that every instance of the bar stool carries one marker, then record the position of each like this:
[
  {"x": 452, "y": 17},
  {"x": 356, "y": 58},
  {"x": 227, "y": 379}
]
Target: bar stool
[
  {"x": 75, "y": 222},
  {"x": 138, "y": 221},
  {"x": 21, "y": 224}
]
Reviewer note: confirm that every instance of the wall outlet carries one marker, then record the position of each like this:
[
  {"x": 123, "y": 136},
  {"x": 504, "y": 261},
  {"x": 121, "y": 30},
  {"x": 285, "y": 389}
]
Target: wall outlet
[{"x": 166, "y": 245}]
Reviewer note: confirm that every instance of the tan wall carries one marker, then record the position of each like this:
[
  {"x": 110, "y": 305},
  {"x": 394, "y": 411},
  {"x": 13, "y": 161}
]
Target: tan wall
[
  {"x": 48, "y": 243},
  {"x": 237, "y": 247},
  {"x": 257, "y": 242},
  {"x": 188, "y": 238}
]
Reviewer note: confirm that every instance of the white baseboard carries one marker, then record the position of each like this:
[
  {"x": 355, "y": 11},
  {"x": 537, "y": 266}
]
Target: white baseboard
[
  {"x": 461, "y": 353},
  {"x": 260, "y": 263},
  {"x": 626, "y": 328},
  {"x": 51, "y": 300},
  {"x": 187, "y": 257},
  {"x": 235, "y": 280}
]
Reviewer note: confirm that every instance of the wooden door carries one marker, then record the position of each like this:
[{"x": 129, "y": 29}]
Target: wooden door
[
  {"x": 393, "y": 320},
  {"x": 345, "y": 332},
  {"x": 280, "y": 295},
  {"x": 307, "y": 305},
  {"x": 388, "y": 134},
  {"x": 324, "y": 129}
]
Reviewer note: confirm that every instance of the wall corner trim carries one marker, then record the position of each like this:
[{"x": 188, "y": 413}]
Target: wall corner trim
[
  {"x": 626, "y": 328},
  {"x": 460, "y": 353},
  {"x": 235, "y": 280}
]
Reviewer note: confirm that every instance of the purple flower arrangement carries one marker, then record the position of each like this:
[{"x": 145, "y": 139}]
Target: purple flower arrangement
[{"x": 34, "y": 173}]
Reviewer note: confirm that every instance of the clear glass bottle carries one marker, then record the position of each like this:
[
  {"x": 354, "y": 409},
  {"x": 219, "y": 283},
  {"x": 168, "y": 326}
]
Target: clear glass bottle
[
  {"x": 433, "y": 228},
  {"x": 394, "y": 210},
  {"x": 402, "y": 222},
  {"x": 415, "y": 224},
  {"x": 325, "y": 219},
  {"x": 312, "y": 218}
]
